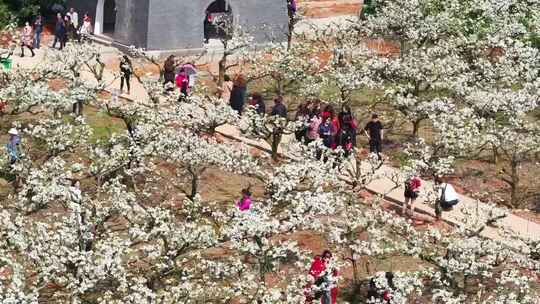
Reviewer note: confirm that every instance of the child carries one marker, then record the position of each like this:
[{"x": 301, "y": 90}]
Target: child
[
  {"x": 412, "y": 188},
  {"x": 245, "y": 202},
  {"x": 182, "y": 82}
]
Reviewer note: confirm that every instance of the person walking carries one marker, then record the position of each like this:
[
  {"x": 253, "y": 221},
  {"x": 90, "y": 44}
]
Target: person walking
[
  {"x": 126, "y": 69},
  {"x": 291, "y": 6},
  {"x": 74, "y": 17},
  {"x": 12, "y": 146},
  {"x": 71, "y": 31},
  {"x": 226, "y": 89},
  {"x": 412, "y": 189},
  {"x": 38, "y": 29},
  {"x": 324, "y": 280},
  {"x": 327, "y": 133},
  {"x": 256, "y": 101},
  {"x": 447, "y": 197},
  {"x": 59, "y": 32},
  {"x": 169, "y": 68},
  {"x": 331, "y": 114},
  {"x": 191, "y": 72},
  {"x": 315, "y": 122},
  {"x": 86, "y": 28},
  {"x": 302, "y": 115},
  {"x": 238, "y": 94},
  {"x": 208, "y": 23},
  {"x": 279, "y": 108},
  {"x": 346, "y": 115},
  {"x": 182, "y": 82},
  {"x": 75, "y": 193},
  {"x": 346, "y": 137},
  {"x": 381, "y": 295},
  {"x": 26, "y": 39},
  {"x": 375, "y": 133}
]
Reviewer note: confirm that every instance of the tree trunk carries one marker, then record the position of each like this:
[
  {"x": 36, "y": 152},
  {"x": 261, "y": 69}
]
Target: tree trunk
[
  {"x": 222, "y": 69},
  {"x": 290, "y": 34},
  {"x": 276, "y": 139},
  {"x": 416, "y": 127},
  {"x": 495, "y": 156},
  {"x": 291, "y": 27},
  {"x": 514, "y": 186},
  {"x": 401, "y": 49},
  {"x": 194, "y": 184},
  {"x": 280, "y": 86},
  {"x": 355, "y": 270}
]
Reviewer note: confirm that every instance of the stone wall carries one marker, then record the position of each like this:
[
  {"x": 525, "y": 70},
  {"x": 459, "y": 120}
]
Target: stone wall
[
  {"x": 178, "y": 24},
  {"x": 132, "y": 22}
]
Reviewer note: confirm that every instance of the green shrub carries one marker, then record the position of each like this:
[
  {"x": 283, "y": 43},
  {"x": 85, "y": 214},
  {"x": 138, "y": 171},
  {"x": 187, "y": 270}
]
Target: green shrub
[{"x": 4, "y": 15}]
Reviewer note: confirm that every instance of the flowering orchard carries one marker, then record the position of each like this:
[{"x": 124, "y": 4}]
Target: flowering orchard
[{"x": 140, "y": 230}]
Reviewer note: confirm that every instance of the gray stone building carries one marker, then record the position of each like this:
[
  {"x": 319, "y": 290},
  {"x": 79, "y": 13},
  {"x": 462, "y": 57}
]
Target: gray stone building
[{"x": 179, "y": 24}]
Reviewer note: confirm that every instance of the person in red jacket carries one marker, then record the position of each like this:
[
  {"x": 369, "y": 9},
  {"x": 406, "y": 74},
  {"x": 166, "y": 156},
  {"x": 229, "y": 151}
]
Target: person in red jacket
[
  {"x": 412, "y": 189},
  {"x": 323, "y": 279},
  {"x": 330, "y": 113},
  {"x": 182, "y": 82}
]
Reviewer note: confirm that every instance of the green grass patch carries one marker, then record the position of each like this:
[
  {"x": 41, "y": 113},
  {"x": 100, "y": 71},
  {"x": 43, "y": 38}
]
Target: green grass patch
[{"x": 102, "y": 124}]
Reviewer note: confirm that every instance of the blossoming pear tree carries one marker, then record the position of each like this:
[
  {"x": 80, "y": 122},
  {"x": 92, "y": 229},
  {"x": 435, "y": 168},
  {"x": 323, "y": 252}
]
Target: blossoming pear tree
[{"x": 126, "y": 218}]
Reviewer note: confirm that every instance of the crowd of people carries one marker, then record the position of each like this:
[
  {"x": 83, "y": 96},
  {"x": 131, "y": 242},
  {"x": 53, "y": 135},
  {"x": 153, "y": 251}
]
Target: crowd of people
[
  {"x": 319, "y": 121},
  {"x": 67, "y": 27},
  {"x": 335, "y": 130}
]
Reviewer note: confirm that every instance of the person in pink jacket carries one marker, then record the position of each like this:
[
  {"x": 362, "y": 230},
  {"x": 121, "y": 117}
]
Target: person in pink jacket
[
  {"x": 182, "y": 82},
  {"x": 245, "y": 202}
]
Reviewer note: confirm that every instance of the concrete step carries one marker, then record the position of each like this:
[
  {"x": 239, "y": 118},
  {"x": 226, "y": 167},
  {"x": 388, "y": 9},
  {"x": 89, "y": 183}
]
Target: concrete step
[{"x": 105, "y": 40}]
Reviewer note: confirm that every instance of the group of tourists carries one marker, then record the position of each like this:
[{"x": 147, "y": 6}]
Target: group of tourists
[
  {"x": 67, "y": 27},
  {"x": 235, "y": 93},
  {"x": 336, "y": 130},
  {"x": 324, "y": 287},
  {"x": 447, "y": 196},
  {"x": 319, "y": 121}
]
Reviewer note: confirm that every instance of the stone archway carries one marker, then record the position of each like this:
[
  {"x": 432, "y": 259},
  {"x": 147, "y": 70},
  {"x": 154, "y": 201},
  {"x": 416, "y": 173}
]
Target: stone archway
[{"x": 218, "y": 17}]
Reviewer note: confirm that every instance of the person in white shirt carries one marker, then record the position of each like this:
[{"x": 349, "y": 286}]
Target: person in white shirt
[
  {"x": 86, "y": 28},
  {"x": 75, "y": 193},
  {"x": 447, "y": 197},
  {"x": 74, "y": 17}
]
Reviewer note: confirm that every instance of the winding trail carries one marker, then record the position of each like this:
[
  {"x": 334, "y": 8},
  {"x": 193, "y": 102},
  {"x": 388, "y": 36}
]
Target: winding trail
[{"x": 382, "y": 184}]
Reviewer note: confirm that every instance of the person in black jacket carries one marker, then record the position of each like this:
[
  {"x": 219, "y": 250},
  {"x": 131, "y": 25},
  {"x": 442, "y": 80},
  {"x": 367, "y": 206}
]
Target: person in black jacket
[
  {"x": 71, "y": 30},
  {"x": 257, "y": 102},
  {"x": 169, "y": 68},
  {"x": 279, "y": 108},
  {"x": 126, "y": 69},
  {"x": 59, "y": 32},
  {"x": 381, "y": 295},
  {"x": 238, "y": 94}
]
